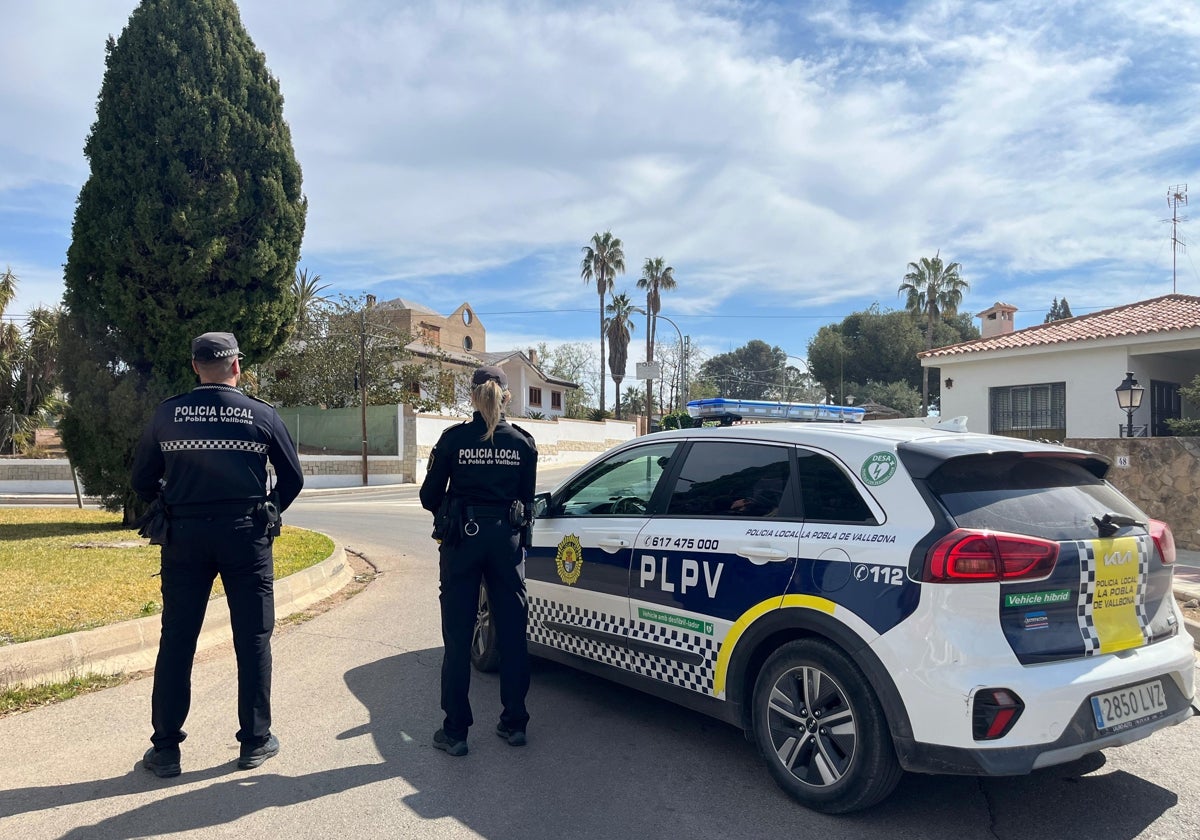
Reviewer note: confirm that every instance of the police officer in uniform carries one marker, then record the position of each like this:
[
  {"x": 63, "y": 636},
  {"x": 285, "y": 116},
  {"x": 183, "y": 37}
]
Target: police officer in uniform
[
  {"x": 203, "y": 458},
  {"x": 489, "y": 465}
]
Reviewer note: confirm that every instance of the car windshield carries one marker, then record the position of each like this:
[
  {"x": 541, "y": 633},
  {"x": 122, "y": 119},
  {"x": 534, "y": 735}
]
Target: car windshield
[{"x": 1048, "y": 497}]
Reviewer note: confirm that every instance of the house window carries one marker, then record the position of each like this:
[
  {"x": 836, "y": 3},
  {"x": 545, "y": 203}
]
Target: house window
[
  {"x": 467, "y": 342},
  {"x": 535, "y": 396},
  {"x": 1033, "y": 412},
  {"x": 556, "y": 400}
]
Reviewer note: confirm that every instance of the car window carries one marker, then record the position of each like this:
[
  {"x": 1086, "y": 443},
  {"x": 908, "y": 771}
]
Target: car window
[
  {"x": 828, "y": 494},
  {"x": 620, "y": 485},
  {"x": 721, "y": 478},
  {"x": 1052, "y": 498}
]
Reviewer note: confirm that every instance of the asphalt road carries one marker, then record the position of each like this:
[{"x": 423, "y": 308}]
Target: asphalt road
[{"x": 356, "y": 700}]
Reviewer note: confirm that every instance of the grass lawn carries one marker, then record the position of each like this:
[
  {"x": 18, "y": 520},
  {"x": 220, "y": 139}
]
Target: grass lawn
[{"x": 65, "y": 569}]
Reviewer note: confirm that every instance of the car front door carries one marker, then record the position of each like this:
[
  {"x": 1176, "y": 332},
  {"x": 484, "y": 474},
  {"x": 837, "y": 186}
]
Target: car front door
[{"x": 577, "y": 568}]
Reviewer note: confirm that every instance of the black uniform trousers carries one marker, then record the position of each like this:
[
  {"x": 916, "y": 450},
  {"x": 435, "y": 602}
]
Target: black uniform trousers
[
  {"x": 239, "y": 550},
  {"x": 493, "y": 555}
]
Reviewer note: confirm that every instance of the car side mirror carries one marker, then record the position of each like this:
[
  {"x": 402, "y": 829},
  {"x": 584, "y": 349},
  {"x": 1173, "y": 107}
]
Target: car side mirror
[{"x": 541, "y": 503}]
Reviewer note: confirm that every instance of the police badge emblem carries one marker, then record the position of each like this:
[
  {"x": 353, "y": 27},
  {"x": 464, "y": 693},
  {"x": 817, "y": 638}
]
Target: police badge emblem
[{"x": 569, "y": 559}]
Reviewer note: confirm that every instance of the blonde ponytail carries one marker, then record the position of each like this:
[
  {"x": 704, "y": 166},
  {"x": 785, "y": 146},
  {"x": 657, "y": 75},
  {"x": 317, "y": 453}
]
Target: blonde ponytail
[{"x": 489, "y": 400}]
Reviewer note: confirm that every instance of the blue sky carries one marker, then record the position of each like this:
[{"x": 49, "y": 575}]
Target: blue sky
[{"x": 788, "y": 159}]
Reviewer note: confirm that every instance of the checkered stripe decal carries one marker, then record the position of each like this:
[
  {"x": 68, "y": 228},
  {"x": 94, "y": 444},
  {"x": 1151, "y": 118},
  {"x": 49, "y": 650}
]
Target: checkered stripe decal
[
  {"x": 1145, "y": 548},
  {"x": 1087, "y": 596},
  {"x": 209, "y": 445},
  {"x": 542, "y": 610},
  {"x": 695, "y": 677}
]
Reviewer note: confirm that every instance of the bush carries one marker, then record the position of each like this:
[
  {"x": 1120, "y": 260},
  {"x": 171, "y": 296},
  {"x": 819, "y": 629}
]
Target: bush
[{"x": 676, "y": 420}]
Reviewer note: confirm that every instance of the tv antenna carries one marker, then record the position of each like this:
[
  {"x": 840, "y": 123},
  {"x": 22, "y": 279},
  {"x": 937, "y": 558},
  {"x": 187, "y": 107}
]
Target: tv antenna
[{"x": 1176, "y": 198}]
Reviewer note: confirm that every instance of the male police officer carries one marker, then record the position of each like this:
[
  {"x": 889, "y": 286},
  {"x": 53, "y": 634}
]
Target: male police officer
[{"x": 204, "y": 458}]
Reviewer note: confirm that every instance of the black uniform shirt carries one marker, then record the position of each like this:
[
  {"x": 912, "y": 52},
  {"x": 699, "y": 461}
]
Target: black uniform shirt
[
  {"x": 482, "y": 472},
  {"x": 212, "y": 445}
]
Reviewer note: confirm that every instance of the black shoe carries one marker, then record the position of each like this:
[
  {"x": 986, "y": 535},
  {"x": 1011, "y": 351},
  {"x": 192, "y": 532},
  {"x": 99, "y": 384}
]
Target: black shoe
[
  {"x": 163, "y": 763},
  {"x": 448, "y": 745},
  {"x": 252, "y": 757},
  {"x": 515, "y": 737}
]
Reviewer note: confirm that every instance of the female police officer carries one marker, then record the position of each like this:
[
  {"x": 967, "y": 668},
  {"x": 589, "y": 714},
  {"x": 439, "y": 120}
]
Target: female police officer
[{"x": 491, "y": 468}]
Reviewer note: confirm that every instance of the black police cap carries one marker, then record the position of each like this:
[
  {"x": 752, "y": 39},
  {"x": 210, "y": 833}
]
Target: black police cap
[
  {"x": 490, "y": 373},
  {"x": 213, "y": 346}
]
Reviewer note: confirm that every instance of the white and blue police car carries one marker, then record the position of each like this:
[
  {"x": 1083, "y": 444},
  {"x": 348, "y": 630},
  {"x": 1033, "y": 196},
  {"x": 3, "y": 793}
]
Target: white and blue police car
[{"x": 866, "y": 599}]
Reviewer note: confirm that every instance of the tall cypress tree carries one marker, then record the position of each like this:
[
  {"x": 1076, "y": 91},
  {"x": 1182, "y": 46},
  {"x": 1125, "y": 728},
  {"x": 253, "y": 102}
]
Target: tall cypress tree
[{"x": 190, "y": 221}]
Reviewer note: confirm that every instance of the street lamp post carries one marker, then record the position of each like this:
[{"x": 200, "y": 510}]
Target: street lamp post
[
  {"x": 682, "y": 350},
  {"x": 1129, "y": 398}
]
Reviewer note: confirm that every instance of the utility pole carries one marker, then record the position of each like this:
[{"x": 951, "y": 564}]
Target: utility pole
[
  {"x": 1176, "y": 197},
  {"x": 362, "y": 379},
  {"x": 362, "y": 387}
]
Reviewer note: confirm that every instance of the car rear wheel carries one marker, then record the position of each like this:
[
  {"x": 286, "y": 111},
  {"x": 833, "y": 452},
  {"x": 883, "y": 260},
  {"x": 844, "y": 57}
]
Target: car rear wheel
[
  {"x": 485, "y": 656},
  {"x": 821, "y": 729}
]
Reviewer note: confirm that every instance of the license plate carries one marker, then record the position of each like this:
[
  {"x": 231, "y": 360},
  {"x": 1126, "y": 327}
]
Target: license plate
[{"x": 1125, "y": 707}]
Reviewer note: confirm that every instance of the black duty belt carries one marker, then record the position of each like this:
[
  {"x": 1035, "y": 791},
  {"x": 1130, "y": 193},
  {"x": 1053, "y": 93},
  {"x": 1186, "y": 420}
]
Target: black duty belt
[
  {"x": 473, "y": 511},
  {"x": 231, "y": 509}
]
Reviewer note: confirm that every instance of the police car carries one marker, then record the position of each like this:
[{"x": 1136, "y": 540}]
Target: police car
[{"x": 866, "y": 599}]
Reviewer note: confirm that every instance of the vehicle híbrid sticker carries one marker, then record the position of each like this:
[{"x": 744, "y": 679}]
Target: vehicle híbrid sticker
[
  {"x": 673, "y": 620},
  {"x": 878, "y": 468},
  {"x": 1039, "y": 599},
  {"x": 569, "y": 559}
]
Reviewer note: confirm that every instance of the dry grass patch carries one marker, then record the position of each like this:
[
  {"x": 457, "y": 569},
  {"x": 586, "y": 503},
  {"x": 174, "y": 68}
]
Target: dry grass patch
[{"x": 65, "y": 569}]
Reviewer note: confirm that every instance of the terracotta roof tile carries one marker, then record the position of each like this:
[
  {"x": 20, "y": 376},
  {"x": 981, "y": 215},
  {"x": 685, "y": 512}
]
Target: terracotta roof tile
[{"x": 1169, "y": 313}]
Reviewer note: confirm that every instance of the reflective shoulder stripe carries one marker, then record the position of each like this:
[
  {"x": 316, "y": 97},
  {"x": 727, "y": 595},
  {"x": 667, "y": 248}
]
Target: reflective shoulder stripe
[{"x": 229, "y": 445}]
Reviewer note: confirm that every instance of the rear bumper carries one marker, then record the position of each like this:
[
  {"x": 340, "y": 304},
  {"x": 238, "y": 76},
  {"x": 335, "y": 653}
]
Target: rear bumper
[{"x": 1078, "y": 739}]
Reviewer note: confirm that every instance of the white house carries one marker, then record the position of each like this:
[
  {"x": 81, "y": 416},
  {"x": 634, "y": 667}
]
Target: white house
[{"x": 1058, "y": 380}]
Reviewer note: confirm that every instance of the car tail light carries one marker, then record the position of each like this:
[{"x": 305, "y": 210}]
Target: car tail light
[
  {"x": 968, "y": 556},
  {"x": 1164, "y": 541},
  {"x": 994, "y": 713}
]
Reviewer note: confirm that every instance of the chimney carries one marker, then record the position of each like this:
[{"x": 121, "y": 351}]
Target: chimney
[
  {"x": 532, "y": 356},
  {"x": 997, "y": 319}
]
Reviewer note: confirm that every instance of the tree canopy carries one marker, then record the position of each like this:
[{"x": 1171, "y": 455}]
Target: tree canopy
[
  {"x": 191, "y": 220},
  {"x": 877, "y": 347},
  {"x": 324, "y": 365},
  {"x": 932, "y": 289},
  {"x": 1059, "y": 310},
  {"x": 750, "y": 372}
]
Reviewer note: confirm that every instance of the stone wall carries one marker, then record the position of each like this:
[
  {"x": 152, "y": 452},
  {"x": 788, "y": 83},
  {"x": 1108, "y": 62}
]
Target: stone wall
[{"x": 1160, "y": 475}]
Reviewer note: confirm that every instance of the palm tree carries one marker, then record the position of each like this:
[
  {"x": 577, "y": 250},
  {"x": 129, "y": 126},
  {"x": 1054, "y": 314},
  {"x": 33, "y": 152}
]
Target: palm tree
[
  {"x": 618, "y": 326},
  {"x": 307, "y": 294},
  {"x": 933, "y": 290},
  {"x": 603, "y": 260},
  {"x": 656, "y": 278}
]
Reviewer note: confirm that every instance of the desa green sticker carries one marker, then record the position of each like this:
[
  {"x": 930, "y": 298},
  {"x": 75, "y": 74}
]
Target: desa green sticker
[{"x": 878, "y": 468}]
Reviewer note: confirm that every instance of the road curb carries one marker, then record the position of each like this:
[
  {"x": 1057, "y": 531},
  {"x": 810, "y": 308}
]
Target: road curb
[{"x": 133, "y": 645}]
